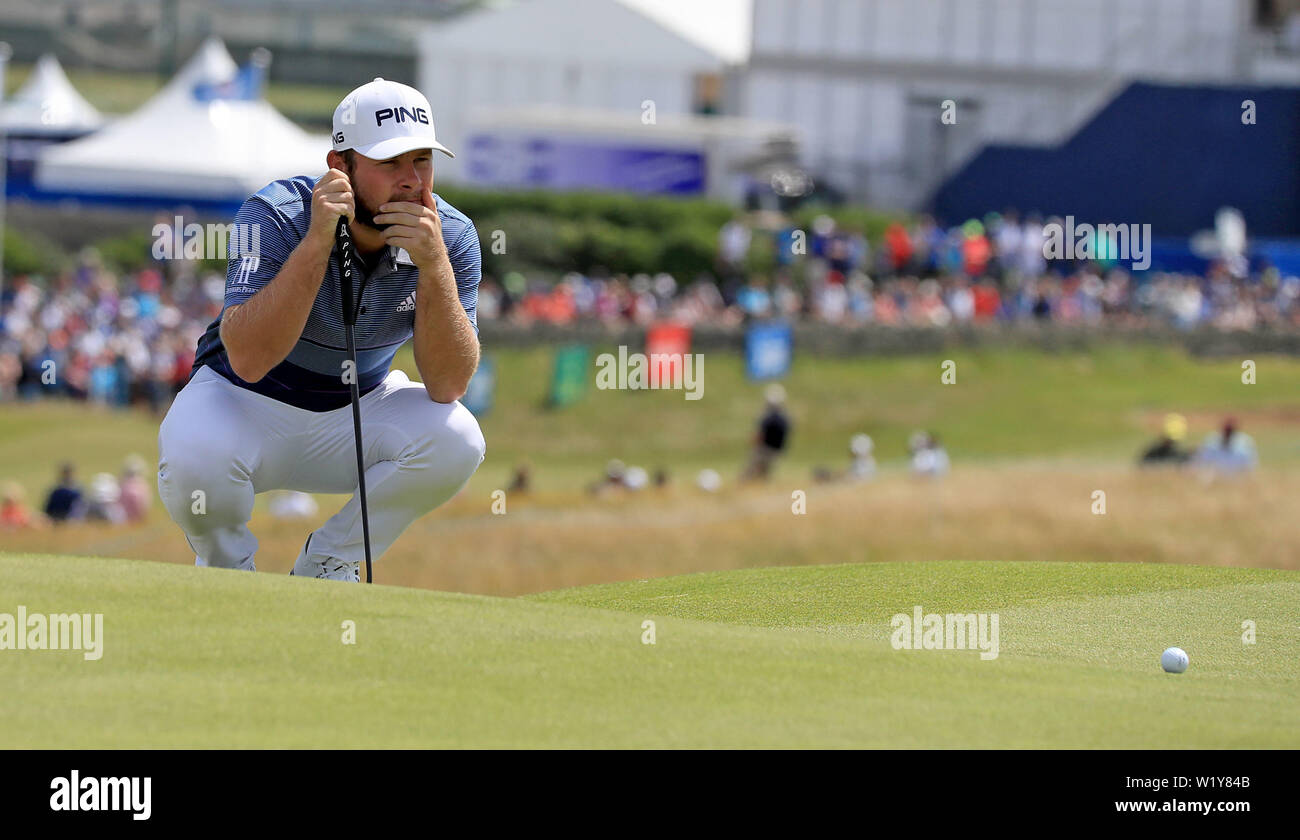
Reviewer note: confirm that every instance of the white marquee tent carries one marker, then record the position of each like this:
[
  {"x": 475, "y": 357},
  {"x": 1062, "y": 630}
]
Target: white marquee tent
[
  {"x": 181, "y": 147},
  {"x": 48, "y": 104}
]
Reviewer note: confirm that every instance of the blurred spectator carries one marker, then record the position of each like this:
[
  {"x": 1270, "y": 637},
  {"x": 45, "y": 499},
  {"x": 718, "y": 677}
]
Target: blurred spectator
[
  {"x": 619, "y": 477},
  {"x": 861, "y": 307},
  {"x": 293, "y": 504},
  {"x": 65, "y": 501},
  {"x": 614, "y": 479},
  {"x": 832, "y": 301},
  {"x": 772, "y": 436},
  {"x": 785, "y": 300},
  {"x": 975, "y": 249},
  {"x": 136, "y": 495},
  {"x": 733, "y": 247},
  {"x": 986, "y": 301},
  {"x": 636, "y": 478},
  {"x": 1228, "y": 451},
  {"x": 898, "y": 248},
  {"x": 862, "y": 464},
  {"x": 1030, "y": 261},
  {"x": 754, "y": 299},
  {"x": 521, "y": 480},
  {"x": 14, "y": 512},
  {"x": 928, "y": 457},
  {"x": 105, "y": 501},
  {"x": 1166, "y": 449}
]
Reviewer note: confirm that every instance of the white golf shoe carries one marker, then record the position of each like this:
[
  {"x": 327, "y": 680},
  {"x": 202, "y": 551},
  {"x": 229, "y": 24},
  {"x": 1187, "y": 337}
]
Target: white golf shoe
[{"x": 330, "y": 569}]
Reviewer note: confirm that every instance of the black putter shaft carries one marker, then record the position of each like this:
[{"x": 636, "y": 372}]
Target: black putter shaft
[{"x": 343, "y": 240}]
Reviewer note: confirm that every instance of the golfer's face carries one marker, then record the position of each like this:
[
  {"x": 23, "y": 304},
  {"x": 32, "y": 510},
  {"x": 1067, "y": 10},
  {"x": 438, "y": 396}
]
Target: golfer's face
[{"x": 377, "y": 182}]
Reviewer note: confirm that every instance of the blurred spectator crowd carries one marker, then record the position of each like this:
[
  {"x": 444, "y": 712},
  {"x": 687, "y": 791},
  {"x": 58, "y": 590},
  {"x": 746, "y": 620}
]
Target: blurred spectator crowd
[
  {"x": 110, "y": 499},
  {"x": 92, "y": 334},
  {"x": 924, "y": 275},
  {"x": 122, "y": 339}
]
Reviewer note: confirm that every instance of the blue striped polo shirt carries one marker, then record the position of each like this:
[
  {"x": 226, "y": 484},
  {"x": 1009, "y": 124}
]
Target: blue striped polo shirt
[{"x": 311, "y": 377}]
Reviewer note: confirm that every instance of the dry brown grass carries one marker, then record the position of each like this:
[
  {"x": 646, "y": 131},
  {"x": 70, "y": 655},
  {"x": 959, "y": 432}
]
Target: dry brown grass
[{"x": 1023, "y": 512}]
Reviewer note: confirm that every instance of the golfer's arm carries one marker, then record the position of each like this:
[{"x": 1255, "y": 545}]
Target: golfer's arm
[
  {"x": 259, "y": 333},
  {"x": 446, "y": 347}
]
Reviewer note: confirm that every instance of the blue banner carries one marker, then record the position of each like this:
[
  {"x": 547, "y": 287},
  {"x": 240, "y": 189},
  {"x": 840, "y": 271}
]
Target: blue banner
[{"x": 769, "y": 347}]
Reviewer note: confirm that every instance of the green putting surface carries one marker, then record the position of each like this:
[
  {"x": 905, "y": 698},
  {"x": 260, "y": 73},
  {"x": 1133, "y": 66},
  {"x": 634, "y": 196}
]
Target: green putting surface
[{"x": 765, "y": 657}]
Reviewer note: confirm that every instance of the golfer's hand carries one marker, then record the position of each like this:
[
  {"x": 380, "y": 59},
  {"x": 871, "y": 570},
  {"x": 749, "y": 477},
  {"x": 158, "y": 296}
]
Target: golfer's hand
[
  {"x": 415, "y": 228},
  {"x": 331, "y": 199}
]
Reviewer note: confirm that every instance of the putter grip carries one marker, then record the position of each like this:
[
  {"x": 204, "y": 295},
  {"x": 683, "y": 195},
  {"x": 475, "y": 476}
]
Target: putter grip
[{"x": 343, "y": 241}]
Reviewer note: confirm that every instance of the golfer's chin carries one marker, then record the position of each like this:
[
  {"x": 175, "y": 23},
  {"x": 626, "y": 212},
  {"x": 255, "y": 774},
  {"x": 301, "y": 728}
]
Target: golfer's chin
[{"x": 368, "y": 219}]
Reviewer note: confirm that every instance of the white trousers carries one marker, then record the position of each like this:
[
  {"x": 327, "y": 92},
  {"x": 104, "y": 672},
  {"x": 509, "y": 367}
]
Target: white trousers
[{"x": 220, "y": 445}]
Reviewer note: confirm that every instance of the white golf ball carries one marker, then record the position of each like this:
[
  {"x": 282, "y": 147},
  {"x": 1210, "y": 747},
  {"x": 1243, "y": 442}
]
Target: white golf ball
[{"x": 1174, "y": 660}]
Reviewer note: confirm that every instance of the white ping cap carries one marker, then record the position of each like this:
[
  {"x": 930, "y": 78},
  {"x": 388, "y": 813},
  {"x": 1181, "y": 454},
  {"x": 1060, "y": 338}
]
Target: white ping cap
[{"x": 383, "y": 119}]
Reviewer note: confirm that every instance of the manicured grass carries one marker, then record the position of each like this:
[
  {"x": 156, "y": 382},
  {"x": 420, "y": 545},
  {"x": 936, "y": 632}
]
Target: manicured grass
[{"x": 772, "y": 657}]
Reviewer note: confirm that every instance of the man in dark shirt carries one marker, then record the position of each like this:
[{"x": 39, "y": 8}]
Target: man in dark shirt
[
  {"x": 772, "y": 437},
  {"x": 1166, "y": 451},
  {"x": 65, "y": 500}
]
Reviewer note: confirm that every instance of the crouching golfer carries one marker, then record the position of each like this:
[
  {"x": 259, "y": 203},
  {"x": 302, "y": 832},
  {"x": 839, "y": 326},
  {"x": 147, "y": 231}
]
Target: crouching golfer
[{"x": 268, "y": 402}]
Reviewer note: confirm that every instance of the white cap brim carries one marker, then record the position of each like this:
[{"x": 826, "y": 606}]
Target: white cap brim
[{"x": 394, "y": 146}]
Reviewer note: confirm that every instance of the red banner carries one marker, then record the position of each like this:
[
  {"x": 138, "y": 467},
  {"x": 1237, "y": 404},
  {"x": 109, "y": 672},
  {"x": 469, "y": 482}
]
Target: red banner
[{"x": 665, "y": 345}]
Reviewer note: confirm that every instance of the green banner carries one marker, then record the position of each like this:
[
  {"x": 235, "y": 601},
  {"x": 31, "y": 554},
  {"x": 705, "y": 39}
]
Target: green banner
[{"x": 570, "y": 380}]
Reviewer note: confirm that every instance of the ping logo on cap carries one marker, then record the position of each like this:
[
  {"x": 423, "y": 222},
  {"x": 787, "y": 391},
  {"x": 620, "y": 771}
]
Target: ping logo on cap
[{"x": 402, "y": 115}]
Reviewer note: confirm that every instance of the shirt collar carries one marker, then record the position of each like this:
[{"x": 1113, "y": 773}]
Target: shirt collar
[{"x": 399, "y": 256}]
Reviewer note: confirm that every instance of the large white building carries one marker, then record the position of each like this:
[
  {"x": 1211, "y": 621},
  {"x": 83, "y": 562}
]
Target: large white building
[
  {"x": 588, "y": 54},
  {"x": 594, "y": 94},
  {"x": 867, "y": 80}
]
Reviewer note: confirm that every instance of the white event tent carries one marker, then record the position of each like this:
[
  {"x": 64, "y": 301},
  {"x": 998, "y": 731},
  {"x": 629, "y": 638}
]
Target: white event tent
[
  {"x": 181, "y": 145},
  {"x": 48, "y": 104}
]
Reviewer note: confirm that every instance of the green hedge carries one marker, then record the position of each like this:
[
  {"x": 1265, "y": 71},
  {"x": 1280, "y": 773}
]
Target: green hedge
[
  {"x": 863, "y": 220},
  {"x": 621, "y": 210},
  {"x": 31, "y": 253},
  {"x": 548, "y": 234},
  {"x": 553, "y": 233}
]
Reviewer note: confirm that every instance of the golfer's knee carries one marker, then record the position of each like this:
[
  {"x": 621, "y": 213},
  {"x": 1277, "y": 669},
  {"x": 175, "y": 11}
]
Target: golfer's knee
[
  {"x": 455, "y": 447},
  {"x": 464, "y": 441},
  {"x": 202, "y": 488}
]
